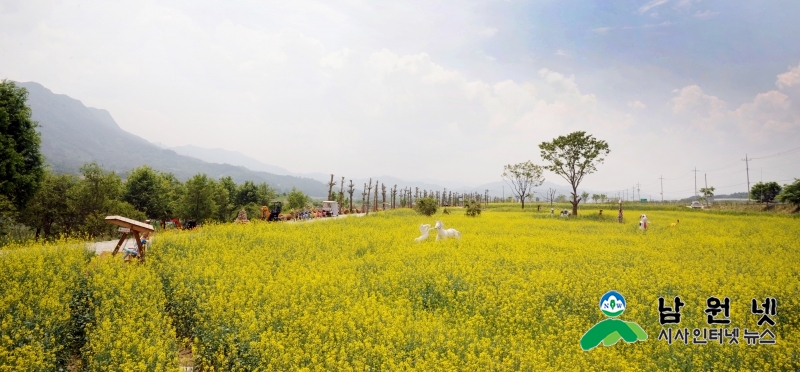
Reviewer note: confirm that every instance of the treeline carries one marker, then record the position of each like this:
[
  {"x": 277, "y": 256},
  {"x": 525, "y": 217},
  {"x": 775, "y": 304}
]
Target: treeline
[{"x": 76, "y": 205}]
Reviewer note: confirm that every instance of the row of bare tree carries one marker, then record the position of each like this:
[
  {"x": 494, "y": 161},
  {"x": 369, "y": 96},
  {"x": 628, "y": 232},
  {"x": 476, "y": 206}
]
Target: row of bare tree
[{"x": 398, "y": 198}]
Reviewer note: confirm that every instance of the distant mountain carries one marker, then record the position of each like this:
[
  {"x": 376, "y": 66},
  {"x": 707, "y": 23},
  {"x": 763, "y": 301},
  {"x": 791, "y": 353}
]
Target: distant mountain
[
  {"x": 223, "y": 156},
  {"x": 73, "y": 134}
]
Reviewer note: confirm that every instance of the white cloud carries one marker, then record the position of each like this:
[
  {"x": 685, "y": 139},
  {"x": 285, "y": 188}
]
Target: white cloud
[
  {"x": 336, "y": 59},
  {"x": 790, "y": 78},
  {"x": 704, "y": 111},
  {"x": 485, "y": 56},
  {"x": 652, "y": 4},
  {"x": 706, "y": 14},
  {"x": 562, "y": 53},
  {"x": 636, "y": 105},
  {"x": 654, "y": 14},
  {"x": 603, "y": 30},
  {"x": 768, "y": 115},
  {"x": 488, "y": 32}
]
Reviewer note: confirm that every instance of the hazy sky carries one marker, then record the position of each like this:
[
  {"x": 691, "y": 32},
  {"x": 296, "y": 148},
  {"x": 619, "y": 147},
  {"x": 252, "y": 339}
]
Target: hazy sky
[{"x": 435, "y": 89}]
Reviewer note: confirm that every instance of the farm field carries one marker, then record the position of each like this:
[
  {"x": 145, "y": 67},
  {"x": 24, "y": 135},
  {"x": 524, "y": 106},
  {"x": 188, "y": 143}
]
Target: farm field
[{"x": 516, "y": 292}]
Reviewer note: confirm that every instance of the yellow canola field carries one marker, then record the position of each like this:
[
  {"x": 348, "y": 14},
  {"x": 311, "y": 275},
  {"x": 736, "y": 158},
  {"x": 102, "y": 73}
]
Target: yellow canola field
[{"x": 517, "y": 292}]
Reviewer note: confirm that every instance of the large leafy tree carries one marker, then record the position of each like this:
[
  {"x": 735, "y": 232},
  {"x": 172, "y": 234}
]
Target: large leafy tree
[
  {"x": 146, "y": 190},
  {"x": 198, "y": 202},
  {"x": 765, "y": 192},
  {"x": 51, "y": 210},
  {"x": 573, "y": 157},
  {"x": 296, "y": 199},
  {"x": 791, "y": 193},
  {"x": 522, "y": 178},
  {"x": 21, "y": 163},
  {"x": 247, "y": 193}
]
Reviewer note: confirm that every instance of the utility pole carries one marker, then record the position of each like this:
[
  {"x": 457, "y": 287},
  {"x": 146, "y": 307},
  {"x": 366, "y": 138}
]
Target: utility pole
[
  {"x": 695, "y": 182},
  {"x": 747, "y": 167},
  {"x": 504, "y": 192},
  {"x": 639, "y": 191},
  {"x": 705, "y": 175},
  {"x": 662, "y": 187}
]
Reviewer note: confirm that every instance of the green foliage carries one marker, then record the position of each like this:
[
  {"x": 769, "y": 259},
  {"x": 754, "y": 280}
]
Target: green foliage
[
  {"x": 198, "y": 202},
  {"x": 51, "y": 211},
  {"x": 96, "y": 196},
  {"x": 707, "y": 192},
  {"x": 791, "y": 193},
  {"x": 129, "y": 328},
  {"x": 147, "y": 191},
  {"x": 472, "y": 208},
  {"x": 21, "y": 163},
  {"x": 573, "y": 157},
  {"x": 426, "y": 206},
  {"x": 522, "y": 178},
  {"x": 296, "y": 199},
  {"x": 765, "y": 192}
]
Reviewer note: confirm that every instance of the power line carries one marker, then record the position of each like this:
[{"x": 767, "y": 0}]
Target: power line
[{"x": 778, "y": 154}]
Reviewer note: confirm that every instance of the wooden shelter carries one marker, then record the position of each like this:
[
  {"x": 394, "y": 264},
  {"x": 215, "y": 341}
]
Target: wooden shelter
[{"x": 128, "y": 226}]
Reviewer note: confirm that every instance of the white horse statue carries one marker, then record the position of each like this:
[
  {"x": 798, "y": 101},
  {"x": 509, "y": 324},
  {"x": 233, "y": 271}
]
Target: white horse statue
[
  {"x": 424, "y": 229},
  {"x": 444, "y": 234}
]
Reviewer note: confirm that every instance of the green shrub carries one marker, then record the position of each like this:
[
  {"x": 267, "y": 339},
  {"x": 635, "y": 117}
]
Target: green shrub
[
  {"x": 426, "y": 206},
  {"x": 472, "y": 208}
]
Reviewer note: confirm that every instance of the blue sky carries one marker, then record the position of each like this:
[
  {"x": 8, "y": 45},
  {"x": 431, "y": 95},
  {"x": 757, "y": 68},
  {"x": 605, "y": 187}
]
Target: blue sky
[{"x": 445, "y": 90}]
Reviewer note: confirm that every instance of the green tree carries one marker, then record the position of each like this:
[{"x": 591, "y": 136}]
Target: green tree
[
  {"x": 197, "y": 202},
  {"x": 246, "y": 193},
  {"x": 522, "y": 178},
  {"x": 595, "y": 198},
  {"x": 21, "y": 163},
  {"x": 175, "y": 190},
  {"x": 265, "y": 194},
  {"x": 765, "y": 192},
  {"x": 296, "y": 199},
  {"x": 50, "y": 212},
  {"x": 146, "y": 191},
  {"x": 708, "y": 192},
  {"x": 585, "y": 196},
  {"x": 97, "y": 196},
  {"x": 791, "y": 193},
  {"x": 573, "y": 157}
]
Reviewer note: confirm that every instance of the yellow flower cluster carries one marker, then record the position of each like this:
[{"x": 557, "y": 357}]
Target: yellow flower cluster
[
  {"x": 129, "y": 328},
  {"x": 516, "y": 292},
  {"x": 37, "y": 286}
]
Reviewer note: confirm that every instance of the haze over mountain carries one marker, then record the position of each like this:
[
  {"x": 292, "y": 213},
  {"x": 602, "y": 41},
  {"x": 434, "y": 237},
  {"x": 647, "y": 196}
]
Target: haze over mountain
[
  {"x": 73, "y": 134},
  {"x": 497, "y": 188}
]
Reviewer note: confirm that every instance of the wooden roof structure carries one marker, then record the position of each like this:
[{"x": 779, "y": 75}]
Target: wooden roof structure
[{"x": 128, "y": 226}]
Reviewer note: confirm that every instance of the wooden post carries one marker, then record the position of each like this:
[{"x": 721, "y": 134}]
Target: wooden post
[
  {"x": 139, "y": 245},
  {"x": 119, "y": 244}
]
